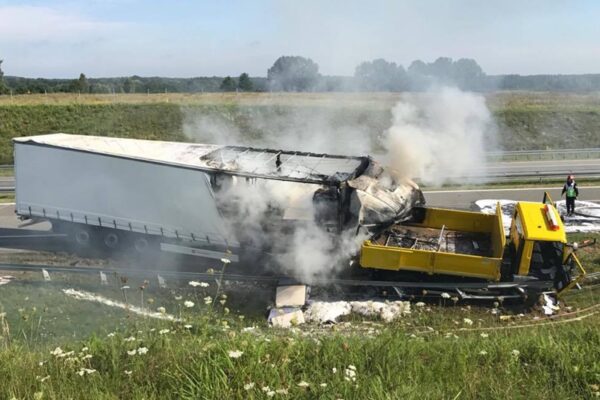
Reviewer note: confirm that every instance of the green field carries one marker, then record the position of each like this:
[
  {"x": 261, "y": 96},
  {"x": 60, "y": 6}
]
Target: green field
[
  {"x": 524, "y": 120},
  {"x": 442, "y": 349}
]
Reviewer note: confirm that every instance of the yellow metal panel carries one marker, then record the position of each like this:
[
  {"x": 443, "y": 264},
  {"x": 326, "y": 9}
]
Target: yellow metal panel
[
  {"x": 466, "y": 221},
  {"x": 536, "y": 225},
  {"x": 525, "y": 260},
  {"x": 431, "y": 262}
]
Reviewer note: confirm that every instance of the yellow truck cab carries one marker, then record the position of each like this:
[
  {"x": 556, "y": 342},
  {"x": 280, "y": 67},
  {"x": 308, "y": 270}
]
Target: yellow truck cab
[
  {"x": 538, "y": 245},
  {"x": 468, "y": 244}
]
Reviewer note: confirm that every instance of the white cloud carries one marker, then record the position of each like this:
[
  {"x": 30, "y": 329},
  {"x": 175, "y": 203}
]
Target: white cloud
[{"x": 31, "y": 24}]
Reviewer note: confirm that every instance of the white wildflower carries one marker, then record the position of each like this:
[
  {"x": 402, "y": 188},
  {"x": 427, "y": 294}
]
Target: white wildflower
[
  {"x": 265, "y": 388},
  {"x": 84, "y": 349},
  {"x": 468, "y": 321},
  {"x": 44, "y": 379},
  {"x": 163, "y": 331},
  {"x": 484, "y": 335},
  {"x": 142, "y": 350},
  {"x": 124, "y": 287},
  {"x": 225, "y": 260},
  {"x": 187, "y": 326},
  {"x": 111, "y": 334},
  {"x": 334, "y": 370},
  {"x": 188, "y": 304},
  {"x": 86, "y": 357},
  {"x": 281, "y": 391},
  {"x": 161, "y": 310},
  {"x": 222, "y": 302},
  {"x": 129, "y": 339},
  {"x": 85, "y": 371},
  {"x": 178, "y": 297},
  {"x": 323, "y": 385},
  {"x": 420, "y": 304},
  {"x": 194, "y": 283},
  {"x": 235, "y": 354},
  {"x": 207, "y": 300},
  {"x": 270, "y": 393},
  {"x": 445, "y": 295},
  {"x": 515, "y": 353},
  {"x": 127, "y": 372},
  {"x": 132, "y": 352},
  {"x": 249, "y": 386},
  {"x": 350, "y": 373},
  {"x": 303, "y": 384},
  {"x": 248, "y": 329},
  {"x": 483, "y": 353},
  {"x": 57, "y": 352}
]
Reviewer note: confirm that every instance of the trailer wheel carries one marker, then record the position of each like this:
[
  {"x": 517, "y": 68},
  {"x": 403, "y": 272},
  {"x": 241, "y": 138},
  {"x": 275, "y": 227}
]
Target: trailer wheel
[
  {"x": 82, "y": 237},
  {"x": 111, "y": 240},
  {"x": 141, "y": 245}
]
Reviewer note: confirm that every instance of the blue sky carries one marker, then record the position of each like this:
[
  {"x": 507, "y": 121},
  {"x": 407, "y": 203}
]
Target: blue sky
[{"x": 182, "y": 38}]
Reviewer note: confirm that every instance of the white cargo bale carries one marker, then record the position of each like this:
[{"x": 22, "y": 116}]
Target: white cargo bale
[
  {"x": 286, "y": 317},
  {"x": 6, "y": 279},
  {"x": 291, "y": 296}
]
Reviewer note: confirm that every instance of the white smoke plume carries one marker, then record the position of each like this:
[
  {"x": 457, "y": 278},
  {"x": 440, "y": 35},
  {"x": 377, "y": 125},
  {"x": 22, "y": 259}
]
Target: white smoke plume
[
  {"x": 434, "y": 136},
  {"x": 440, "y": 137}
]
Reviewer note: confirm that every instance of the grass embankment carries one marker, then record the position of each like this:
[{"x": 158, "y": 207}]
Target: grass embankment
[
  {"x": 441, "y": 350},
  {"x": 525, "y": 120}
]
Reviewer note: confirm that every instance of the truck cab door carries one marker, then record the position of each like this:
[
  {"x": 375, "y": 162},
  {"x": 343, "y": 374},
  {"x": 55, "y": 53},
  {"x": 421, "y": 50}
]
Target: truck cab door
[{"x": 547, "y": 199}]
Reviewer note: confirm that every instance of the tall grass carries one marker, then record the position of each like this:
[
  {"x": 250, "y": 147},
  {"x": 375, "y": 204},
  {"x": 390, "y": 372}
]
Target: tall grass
[{"x": 387, "y": 363}]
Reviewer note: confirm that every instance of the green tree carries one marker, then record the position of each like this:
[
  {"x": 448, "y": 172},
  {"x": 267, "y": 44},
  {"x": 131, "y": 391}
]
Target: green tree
[
  {"x": 381, "y": 75},
  {"x": 128, "y": 86},
  {"x": 228, "y": 85},
  {"x": 80, "y": 85},
  {"x": 3, "y": 87},
  {"x": 244, "y": 83},
  {"x": 293, "y": 73}
]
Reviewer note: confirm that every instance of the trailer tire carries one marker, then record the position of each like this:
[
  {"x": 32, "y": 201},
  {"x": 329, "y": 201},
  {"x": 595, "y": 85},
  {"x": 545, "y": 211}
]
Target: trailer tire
[
  {"x": 141, "y": 245},
  {"x": 111, "y": 240},
  {"x": 82, "y": 237}
]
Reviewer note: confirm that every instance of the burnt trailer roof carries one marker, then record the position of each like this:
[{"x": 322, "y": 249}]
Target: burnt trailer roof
[
  {"x": 295, "y": 166},
  {"x": 286, "y": 165}
]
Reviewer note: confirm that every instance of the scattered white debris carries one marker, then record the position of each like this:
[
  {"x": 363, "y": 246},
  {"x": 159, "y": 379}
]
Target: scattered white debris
[
  {"x": 286, "y": 317},
  {"x": 549, "y": 305},
  {"x": 46, "y": 275},
  {"x": 328, "y": 312},
  {"x": 291, "y": 296},
  {"x": 103, "y": 280},
  {"x": 83, "y": 295},
  {"x": 4, "y": 279}
]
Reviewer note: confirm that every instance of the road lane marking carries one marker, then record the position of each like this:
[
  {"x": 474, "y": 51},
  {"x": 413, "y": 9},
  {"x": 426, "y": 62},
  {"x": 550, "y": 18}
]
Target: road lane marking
[{"x": 504, "y": 189}]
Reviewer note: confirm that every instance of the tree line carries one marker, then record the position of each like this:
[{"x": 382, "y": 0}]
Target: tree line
[{"x": 301, "y": 74}]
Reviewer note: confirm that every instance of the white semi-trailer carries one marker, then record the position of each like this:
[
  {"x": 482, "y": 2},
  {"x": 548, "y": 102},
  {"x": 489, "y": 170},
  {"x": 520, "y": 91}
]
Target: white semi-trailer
[
  {"x": 118, "y": 193},
  {"x": 134, "y": 194}
]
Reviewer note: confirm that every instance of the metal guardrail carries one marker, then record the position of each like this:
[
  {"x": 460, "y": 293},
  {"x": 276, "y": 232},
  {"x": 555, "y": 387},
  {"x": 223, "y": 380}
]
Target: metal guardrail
[{"x": 527, "y": 155}]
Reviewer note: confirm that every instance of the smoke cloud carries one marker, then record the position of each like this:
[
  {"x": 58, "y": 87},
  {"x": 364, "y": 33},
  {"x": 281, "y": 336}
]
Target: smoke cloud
[{"x": 440, "y": 137}]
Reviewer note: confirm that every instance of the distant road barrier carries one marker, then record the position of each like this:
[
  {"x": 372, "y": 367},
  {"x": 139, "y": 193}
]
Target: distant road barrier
[{"x": 532, "y": 155}]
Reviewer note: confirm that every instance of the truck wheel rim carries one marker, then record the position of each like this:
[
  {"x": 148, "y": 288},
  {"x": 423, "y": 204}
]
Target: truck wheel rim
[
  {"x": 82, "y": 237},
  {"x": 141, "y": 245},
  {"x": 111, "y": 240}
]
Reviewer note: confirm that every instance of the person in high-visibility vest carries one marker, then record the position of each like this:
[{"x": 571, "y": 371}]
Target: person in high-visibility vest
[{"x": 570, "y": 188}]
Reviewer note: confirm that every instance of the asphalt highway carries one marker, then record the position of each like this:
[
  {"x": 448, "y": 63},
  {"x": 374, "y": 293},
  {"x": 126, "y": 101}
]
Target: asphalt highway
[{"x": 464, "y": 198}]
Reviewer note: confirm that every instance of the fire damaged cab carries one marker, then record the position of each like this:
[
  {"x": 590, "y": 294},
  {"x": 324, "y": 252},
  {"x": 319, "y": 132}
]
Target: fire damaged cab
[{"x": 473, "y": 245}]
